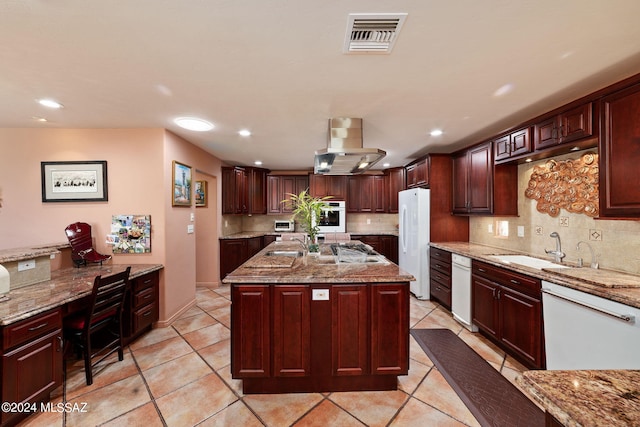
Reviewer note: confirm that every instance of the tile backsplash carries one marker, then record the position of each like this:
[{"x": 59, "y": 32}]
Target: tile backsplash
[{"x": 615, "y": 242}]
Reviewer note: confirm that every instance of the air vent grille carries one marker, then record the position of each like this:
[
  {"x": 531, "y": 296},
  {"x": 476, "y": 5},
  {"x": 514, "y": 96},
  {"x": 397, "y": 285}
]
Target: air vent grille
[{"x": 372, "y": 32}]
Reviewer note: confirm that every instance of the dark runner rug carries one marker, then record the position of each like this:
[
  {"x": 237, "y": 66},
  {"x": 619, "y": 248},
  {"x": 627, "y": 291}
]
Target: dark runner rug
[{"x": 490, "y": 397}]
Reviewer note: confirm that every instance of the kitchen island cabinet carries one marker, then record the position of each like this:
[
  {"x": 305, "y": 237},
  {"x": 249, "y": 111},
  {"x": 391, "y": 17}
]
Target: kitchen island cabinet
[{"x": 318, "y": 326}]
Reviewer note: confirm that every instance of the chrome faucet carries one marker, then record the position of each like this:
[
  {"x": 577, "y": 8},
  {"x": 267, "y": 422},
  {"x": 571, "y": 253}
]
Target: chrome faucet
[
  {"x": 557, "y": 254},
  {"x": 594, "y": 263}
]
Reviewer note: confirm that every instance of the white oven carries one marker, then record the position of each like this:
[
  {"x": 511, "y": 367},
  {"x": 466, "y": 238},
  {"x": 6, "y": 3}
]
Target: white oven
[{"x": 334, "y": 218}]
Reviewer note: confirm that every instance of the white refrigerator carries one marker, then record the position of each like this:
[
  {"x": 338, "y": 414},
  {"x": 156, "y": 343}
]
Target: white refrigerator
[{"x": 413, "y": 239}]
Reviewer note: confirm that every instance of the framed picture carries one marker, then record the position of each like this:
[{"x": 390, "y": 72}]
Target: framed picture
[
  {"x": 181, "y": 184},
  {"x": 201, "y": 194},
  {"x": 80, "y": 181},
  {"x": 130, "y": 234}
]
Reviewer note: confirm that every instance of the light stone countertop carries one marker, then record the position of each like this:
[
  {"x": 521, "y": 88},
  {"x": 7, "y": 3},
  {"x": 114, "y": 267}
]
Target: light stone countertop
[
  {"x": 312, "y": 269},
  {"x": 19, "y": 254},
  {"x": 613, "y": 285},
  {"x": 251, "y": 234},
  {"x": 587, "y": 398},
  {"x": 66, "y": 285}
]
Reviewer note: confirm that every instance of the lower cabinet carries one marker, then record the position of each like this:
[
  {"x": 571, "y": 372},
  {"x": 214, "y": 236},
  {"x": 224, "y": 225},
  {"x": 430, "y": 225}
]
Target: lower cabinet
[
  {"x": 31, "y": 361},
  {"x": 507, "y": 308},
  {"x": 440, "y": 276},
  {"x": 386, "y": 245},
  {"x": 142, "y": 305},
  {"x": 288, "y": 331},
  {"x": 234, "y": 252}
]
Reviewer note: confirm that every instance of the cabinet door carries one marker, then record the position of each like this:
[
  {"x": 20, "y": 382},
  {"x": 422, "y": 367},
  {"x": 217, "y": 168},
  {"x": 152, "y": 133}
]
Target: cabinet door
[
  {"x": 390, "y": 329},
  {"x": 318, "y": 185},
  {"x": 254, "y": 245},
  {"x": 460, "y": 183},
  {"x": 353, "y": 194},
  {"x": 520, "y": 142},
  {"x": 241, "y": 195},
  {"x": 228, "y": 191},
  {"x": 619, "y": 154},
  {"x": 576, "y": 123},
  {"x": 291, "y": 331},
  {"x": 502, "y": 147},
  {"x": 257, "y": 191},
  {"x": 389, "y": 248},
  {"x": 485, "y": 305},
  {"x": 521, "y": 325},
  {"x": 233, "y": 252},
  {"x": 275, "y": 194},
  {"x": 337, "y": 187},
  {"x": 251, "y": 343},
  {"x": 396, "y": 183},
  {"x": 30, "y": 372},
  {"x": 481, "y": 179},
  {"x": 380, "y": 194},
  {"x": 545, "y": 134},
  {"x": 349, "y": 308}
]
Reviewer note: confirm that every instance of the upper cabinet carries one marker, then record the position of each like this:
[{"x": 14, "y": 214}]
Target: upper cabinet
[
  {"x": 244, "y": 190},
  {"x": 395, "y": 180},
  {"x": 278, "y": 189},
  {"x": 513, "y": 144},
  {"x": 479, "y": 187},
  {"x": 366, "y": 193},
  {"x": 568, "y": 126},
  {"x": 619, "y": 149},
  {"x": 418, "y": 173},
  {"x": 328, "y": 185}
]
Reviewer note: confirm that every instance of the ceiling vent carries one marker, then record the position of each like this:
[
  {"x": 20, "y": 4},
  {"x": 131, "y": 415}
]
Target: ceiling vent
[{"x": 372, "y": 32}]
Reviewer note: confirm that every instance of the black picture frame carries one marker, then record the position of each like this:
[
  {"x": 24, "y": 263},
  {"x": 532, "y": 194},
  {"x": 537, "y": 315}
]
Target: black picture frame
[{"x": 74, "y": 181}]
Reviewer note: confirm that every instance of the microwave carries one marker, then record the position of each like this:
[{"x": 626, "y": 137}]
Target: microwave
[{"x": 284, "y": 225}]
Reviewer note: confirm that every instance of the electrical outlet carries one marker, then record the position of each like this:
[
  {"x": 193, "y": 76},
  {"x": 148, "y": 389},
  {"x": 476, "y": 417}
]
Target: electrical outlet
[
  {"x": 521, "y": 231},
  {"x": 192, "y": 217},
  {"x": 595, "y": 235},
  {"x": 26, "y": 265},
  {"x": 320, "y": 295},
  {"x": 490, "y": 228},
  {"x": 538, "y": 230},
  {"x": 368, "y": 221},
  {"x": 564, "y": 221}
]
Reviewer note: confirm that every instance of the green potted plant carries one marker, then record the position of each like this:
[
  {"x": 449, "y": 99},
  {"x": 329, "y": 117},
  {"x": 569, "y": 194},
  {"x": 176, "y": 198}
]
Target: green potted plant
[{"x": 305, "y": 209}]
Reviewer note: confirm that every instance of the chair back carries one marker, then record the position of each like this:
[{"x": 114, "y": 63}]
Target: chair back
[
  {"x": 79, "y": 235},
  {"x": 107, "y": 298}
]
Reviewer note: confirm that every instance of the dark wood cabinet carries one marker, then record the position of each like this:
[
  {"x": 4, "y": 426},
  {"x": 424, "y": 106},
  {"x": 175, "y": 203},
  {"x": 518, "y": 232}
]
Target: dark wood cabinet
[
  {"x": 366, "y": 194},
  {"x": 319, "y": 337},
  {"x": 418, "y": 173},
  {"x": 568, "y": 126},
  {"x": 244, "y": 190},
  {"x": 141, "y": 305},
  {"x": 507, "y": 308},
  {"x": 251, "y": 336},
  {"x": 480, "y": 187},
  {"x": 328, "y": 185},
  {"x": 278, "y": 189},
  {"x": 349, "y": 312},
  {"x": 395, "y": 183},
  {"x": 31, "y": 361},
  {"x": 234, "y": 252},
  {"x": 512, "y": 145},
  {"x": 619, "y": 151},
  {"x": 440, "y": 276}
]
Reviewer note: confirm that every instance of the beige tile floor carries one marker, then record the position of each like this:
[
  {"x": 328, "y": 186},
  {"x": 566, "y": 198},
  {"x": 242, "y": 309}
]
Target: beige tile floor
[{"x": 180, "y": 376}]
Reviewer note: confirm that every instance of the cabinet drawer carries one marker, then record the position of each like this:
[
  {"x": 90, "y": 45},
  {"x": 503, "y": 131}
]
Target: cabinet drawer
[
  {"x": 145, "y": 281},
  {"x": 443, "y": 267},
  {"x": 144, "y": 317},
  {"x": 144, "y": 297},
  {"x": 441, "y": 255},
  {"x": 30, "y": 328},
  {"x": 507, "y": 278},
  {"x": 442, "y": 279},
  {"x": 441, "y": 293}
]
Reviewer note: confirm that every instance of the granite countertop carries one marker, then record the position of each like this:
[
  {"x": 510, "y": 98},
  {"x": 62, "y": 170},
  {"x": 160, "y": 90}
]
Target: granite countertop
[
  {"x": 587, "y": 398},
  {"x": 312, "y": 269},
  {"x": 613, "y": 285},
  {"x": 251, "y": 234},
  {"x": 65, "y": 285},
  {"x": 18, "y": 254}
]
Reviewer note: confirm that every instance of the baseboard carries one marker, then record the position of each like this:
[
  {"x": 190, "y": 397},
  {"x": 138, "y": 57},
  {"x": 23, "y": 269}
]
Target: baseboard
[
  {"x": 169, "y": 321},
  {"x": 210, "y": 285}
]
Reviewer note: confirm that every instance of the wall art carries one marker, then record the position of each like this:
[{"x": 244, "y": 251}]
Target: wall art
[
  {"x": 181, "y": 178},
  {"x": 77, "y": 181},
  {"x": 201, "y": 195},
  {"x": 130, "y": 234}
]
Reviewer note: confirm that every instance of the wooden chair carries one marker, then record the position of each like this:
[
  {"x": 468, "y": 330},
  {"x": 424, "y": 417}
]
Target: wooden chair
[
  {"x": 81, "y": 241},
  {"x": 98, "y": 331}
]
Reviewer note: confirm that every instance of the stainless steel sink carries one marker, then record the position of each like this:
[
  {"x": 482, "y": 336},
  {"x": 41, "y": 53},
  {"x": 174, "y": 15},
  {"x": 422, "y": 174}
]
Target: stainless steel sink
[{"x": 294, "y": 254}]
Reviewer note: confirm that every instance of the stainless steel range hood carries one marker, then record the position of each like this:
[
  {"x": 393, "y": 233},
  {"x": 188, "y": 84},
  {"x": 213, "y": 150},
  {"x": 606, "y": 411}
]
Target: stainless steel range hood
[{"x": 345, "y": 154}]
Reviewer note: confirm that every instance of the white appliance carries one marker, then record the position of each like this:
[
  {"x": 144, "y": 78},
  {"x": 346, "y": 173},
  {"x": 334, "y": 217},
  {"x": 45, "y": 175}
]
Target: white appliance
[
  {"x": 334, "y": 218},
  {"x": 284, "y": 225},
  {"x": 461, "y": 291},
  {"x": 413, "y": 241},
  {"x": 583, "y": 331}
]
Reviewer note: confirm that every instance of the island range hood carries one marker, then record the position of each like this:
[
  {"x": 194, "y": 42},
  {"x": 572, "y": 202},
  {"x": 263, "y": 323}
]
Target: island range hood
[{"x": 345, "y": 154}]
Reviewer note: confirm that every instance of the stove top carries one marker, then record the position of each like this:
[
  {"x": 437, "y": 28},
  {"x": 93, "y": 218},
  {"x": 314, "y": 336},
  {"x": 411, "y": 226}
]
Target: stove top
[{"x": 353, "y": 246}]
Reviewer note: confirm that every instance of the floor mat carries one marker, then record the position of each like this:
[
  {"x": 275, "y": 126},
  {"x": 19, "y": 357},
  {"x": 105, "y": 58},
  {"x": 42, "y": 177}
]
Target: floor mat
[{"x": 490, "y": 397}]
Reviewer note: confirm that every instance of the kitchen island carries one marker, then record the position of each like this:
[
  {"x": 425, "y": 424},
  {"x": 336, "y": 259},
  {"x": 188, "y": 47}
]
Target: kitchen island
[{"x": 303, "y": 323}]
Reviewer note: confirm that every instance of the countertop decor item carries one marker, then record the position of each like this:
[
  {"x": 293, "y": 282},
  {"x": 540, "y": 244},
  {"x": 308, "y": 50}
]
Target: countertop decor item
[{"x": 306, "y": 209}]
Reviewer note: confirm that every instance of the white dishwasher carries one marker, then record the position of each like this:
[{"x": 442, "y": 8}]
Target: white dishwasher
[
  {"x": 583, "y": 331},
  {"x": 461, "y": 291}
]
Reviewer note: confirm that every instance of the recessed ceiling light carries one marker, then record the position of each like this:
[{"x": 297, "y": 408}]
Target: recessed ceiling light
[
  {"x": 193, "y": 123},
  {"x": 257, "y": 163},
  {"x": 244, "y": 132},
  {"x": 50, "y": 103},
  {"x": 39, "y": 119},
  {"x": 436, "y": 132}
]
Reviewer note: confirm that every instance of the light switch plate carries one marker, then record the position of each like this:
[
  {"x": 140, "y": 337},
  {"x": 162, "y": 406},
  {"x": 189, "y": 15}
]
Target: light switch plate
[
  {"x": 192, "y": 216},
  {"x": 190, "y": 229}
]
